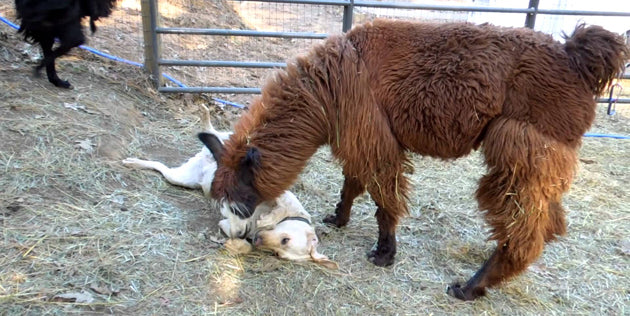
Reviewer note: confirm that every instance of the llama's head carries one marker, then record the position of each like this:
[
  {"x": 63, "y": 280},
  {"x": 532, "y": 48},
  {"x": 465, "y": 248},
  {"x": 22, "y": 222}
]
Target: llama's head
[{"x": 233, "y": 185}]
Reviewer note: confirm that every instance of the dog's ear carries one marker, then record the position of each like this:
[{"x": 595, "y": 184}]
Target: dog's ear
[
  {"x": 318, "y": 257},
  {"x": 213, "y": 143},
  {"x": 323, "y": 261}
]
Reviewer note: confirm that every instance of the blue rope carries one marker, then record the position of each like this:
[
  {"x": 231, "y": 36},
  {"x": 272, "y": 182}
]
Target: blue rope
[
  {"x": 11, "y": 24},
  {"x": 606, "y": 136},
  {"x": 112, "y": 57}
]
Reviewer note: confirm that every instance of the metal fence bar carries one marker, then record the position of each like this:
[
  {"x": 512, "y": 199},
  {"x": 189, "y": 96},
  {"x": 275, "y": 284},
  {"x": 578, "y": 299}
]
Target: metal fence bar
[
  {"x": 220, "y": 63},
  {"x": 250, "y": 33},
  {"x": 585, "y": 13},
  {"x": 420, "y": 6},
  {"x": 607, "y": 100},
  {"x": 209, "y": 90},
  {"x": 152, "y": 45},
  {"x": 530, "y": 20},
  {"x": 348, "y": 14}
]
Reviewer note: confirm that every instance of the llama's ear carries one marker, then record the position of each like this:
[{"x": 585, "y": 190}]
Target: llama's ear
[
  {"x": 252, "y": 157},
  {"x": 249, "y": 164},
  {"x": 213, "y": 143}
]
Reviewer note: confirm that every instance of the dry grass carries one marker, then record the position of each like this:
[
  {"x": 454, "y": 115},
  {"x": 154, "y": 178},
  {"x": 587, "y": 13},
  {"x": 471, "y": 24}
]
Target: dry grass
[{"x": 83, "y": 235}]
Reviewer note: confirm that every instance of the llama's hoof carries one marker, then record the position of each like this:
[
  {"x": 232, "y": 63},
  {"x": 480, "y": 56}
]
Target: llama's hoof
[
  {"x": 464, "y": 293},
  {"x": 381, "y": 259},
  {"x": 332, "y": 220}
]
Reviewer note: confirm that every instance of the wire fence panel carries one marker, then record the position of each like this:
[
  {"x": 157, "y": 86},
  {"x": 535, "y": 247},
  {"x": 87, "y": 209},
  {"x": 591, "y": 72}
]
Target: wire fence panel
[{"x": 249, "y": 36}]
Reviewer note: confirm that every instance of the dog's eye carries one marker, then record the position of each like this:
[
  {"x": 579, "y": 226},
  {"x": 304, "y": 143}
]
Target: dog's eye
[{"x": 284, "y": 241}]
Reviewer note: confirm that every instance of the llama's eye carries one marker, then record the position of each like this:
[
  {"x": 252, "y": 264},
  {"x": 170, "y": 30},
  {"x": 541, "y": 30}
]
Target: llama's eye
[{"x": 284, "y": 241}]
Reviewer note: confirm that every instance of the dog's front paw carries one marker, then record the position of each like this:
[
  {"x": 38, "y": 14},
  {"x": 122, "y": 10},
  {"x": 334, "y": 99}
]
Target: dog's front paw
[{"x": 238, "y": 246}]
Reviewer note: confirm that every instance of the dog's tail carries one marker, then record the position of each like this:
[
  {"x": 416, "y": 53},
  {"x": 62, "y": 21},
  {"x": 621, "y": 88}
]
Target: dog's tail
[{"x": 597, "y": 55}]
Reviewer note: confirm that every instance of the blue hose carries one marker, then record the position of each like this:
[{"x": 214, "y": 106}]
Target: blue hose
[
  {"x": 112, "y": 57},
  {"x": 606, "y": 136},
  {"x": 11, "y": 24}
]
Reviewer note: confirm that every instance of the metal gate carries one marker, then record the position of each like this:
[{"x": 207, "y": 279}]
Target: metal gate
[{"x": 153, "y": 30}]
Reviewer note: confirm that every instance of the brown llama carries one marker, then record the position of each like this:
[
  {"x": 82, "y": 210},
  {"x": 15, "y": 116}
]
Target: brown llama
[{"x": 441, "y": 90}]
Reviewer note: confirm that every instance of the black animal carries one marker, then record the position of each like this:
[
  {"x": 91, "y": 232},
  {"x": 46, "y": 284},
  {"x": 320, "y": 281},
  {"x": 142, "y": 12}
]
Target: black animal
[{"x": 44, "y": 20}]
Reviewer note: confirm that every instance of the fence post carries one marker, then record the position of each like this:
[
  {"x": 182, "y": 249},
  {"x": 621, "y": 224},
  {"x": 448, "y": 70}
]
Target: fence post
[
  {"x": 152, "y": 42},
  {"x": 348, "y": 12},
  {"x": 530, "y": 20}
]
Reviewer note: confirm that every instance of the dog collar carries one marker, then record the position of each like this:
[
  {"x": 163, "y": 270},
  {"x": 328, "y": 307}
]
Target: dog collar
[{"x": 295, "y": 218}]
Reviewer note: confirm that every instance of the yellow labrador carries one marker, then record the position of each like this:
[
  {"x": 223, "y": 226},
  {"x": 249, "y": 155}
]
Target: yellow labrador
[{"x": 282, "y": 226}]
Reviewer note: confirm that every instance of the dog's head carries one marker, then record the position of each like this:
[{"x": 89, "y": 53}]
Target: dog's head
[
  {"x": 234, "y": 188},
  {"x": 293, "y": 239}
]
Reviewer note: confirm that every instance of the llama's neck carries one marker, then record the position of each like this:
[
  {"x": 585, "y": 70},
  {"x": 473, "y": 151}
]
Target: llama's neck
[
  {"x": 297, "y": 113},
  {"x": 287, "y": 127}
]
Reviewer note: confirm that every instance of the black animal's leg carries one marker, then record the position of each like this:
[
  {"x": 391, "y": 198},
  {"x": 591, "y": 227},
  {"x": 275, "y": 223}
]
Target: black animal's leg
[
  {"x": 352, "y": 187},
  {"x": 46, "y": 44},
  {"x": 49, "y": 62},
  {"x": 71, "y": 37}
]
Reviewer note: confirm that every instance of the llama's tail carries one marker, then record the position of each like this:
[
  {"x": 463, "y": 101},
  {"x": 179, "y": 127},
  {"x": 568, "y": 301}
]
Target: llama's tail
[{"x": 597, "y": 55}]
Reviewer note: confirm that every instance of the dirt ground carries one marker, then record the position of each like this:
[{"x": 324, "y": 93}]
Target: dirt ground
[{"x": 82, "y": 234}]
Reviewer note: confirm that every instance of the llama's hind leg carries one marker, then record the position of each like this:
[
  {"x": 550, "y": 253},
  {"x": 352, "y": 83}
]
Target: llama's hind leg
[
  {"x": 528, "y": 173},
  {"x": 352, "y": 187},
  {"x": 557, "y": 225}
]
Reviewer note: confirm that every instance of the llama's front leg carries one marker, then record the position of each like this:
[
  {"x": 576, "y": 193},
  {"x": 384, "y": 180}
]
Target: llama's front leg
[
  {"x": 385, "y": 251},
  {"x": 351, "y": 189},
  {"x": 389, "y": 193}
]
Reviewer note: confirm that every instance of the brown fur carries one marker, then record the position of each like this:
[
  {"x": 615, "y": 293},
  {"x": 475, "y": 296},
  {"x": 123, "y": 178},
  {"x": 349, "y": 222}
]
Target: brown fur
[{"x": 439, "y": 90}]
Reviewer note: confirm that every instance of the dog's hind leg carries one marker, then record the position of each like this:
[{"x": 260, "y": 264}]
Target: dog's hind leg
[
  {"x": 528, "y": 173},
  {"x": 207, "y": 127},
  {"x": 352, "y": 187},
  {"x": 186, "y": 175}
]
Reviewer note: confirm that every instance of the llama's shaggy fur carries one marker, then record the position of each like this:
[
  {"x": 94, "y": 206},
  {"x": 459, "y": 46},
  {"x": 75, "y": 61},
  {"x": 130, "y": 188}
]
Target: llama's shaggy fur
[
  {"x": 441, "y": 90},
  {"x": 44, "y": 20}
]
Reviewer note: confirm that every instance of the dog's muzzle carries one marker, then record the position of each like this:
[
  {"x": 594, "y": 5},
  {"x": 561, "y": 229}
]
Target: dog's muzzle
[{"x": 258, "y": 241}]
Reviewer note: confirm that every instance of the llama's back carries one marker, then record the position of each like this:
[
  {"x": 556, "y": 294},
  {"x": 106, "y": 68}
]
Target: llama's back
[{"x": 442, "y": 83}]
